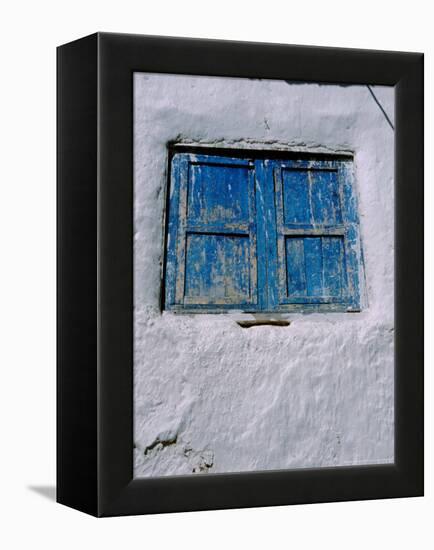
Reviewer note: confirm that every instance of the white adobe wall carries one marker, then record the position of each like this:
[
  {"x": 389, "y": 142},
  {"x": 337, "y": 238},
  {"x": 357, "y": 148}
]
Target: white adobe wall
[{"x": 213, "y": 397}]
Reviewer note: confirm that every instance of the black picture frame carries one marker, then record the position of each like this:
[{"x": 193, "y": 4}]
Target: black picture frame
[{"x": 95, "y": 274}]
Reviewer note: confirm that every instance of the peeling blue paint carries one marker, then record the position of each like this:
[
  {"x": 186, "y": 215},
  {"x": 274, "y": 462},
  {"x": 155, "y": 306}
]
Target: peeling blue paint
[{"x": 262, "y": 235}]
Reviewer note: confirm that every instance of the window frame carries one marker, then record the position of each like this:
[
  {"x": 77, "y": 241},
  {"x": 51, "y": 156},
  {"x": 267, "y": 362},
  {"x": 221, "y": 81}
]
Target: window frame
[{"x": 265, "y": 192}]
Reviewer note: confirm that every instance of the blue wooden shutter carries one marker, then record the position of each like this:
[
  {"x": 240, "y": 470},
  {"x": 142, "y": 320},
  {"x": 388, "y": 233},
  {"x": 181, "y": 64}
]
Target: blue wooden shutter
[
  {"x": 211, "y": 251},
  {"x": 317, "y": 236},
  {"x": 262, "y": 235}
]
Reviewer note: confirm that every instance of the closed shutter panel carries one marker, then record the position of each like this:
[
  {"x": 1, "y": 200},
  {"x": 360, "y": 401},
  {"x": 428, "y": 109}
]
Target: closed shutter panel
[
  {"x": 212, "y": 233},
  {"x": 310, "y": 233}
]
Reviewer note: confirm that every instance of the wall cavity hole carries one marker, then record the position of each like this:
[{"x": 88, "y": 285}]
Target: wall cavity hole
[{"x": 259, "y": 323}]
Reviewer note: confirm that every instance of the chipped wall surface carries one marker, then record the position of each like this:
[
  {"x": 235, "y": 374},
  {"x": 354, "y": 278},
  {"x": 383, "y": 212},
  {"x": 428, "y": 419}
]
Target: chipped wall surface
[{"x": 211, "y": 396}]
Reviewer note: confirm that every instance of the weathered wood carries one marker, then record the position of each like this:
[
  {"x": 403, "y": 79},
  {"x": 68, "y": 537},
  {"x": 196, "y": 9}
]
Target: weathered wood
[{"x": 263, "y": 235}]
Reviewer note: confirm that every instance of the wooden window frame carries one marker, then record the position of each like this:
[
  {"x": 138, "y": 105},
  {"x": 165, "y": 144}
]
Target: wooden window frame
[{"x": 267, "y": 294}]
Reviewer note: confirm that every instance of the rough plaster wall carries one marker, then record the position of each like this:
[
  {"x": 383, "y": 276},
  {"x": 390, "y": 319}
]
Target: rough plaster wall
[{"x": 210, "y": 396}]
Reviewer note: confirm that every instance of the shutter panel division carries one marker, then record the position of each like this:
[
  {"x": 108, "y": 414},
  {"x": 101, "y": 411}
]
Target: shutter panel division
[
  {"x": 310, "y": 197},
  {"x": 315, "y": 267}
]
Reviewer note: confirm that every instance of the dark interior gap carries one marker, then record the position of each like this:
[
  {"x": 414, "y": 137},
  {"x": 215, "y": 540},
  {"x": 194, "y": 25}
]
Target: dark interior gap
[{"x": 252, "y": 154}]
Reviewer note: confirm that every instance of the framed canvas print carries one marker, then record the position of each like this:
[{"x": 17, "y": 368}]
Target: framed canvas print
[{"x": 240, "y": 283}]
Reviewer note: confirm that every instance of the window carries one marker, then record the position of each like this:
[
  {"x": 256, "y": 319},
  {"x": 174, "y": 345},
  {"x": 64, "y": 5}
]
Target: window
[{"x": 261, "y": 235}]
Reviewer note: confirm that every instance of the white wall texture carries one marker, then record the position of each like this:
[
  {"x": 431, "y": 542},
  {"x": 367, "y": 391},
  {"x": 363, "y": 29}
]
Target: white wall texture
[{"x": 210, "y": 396}]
